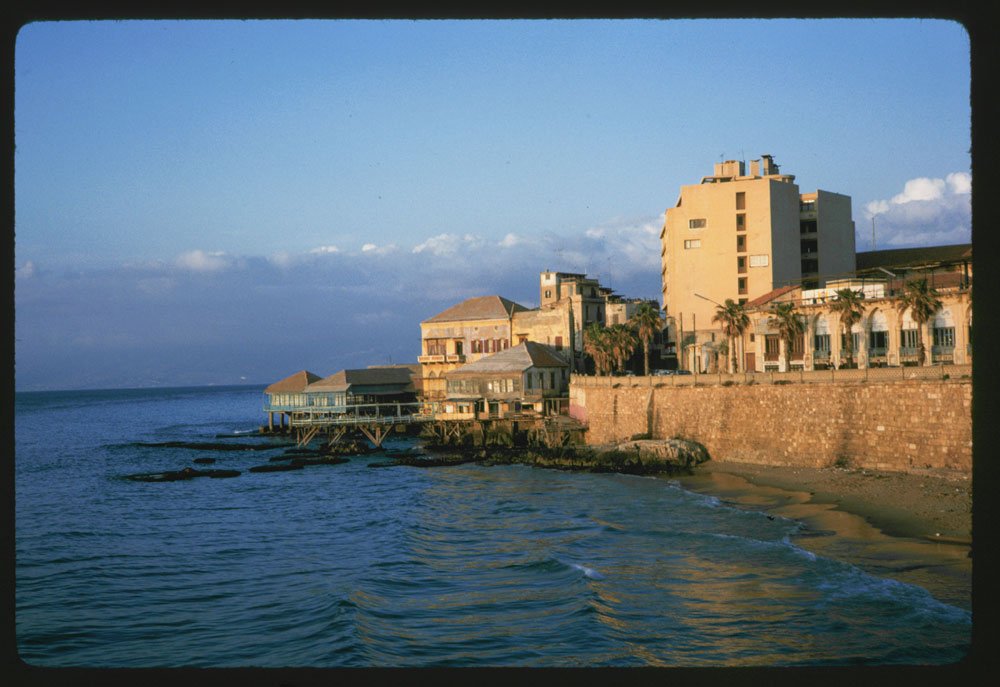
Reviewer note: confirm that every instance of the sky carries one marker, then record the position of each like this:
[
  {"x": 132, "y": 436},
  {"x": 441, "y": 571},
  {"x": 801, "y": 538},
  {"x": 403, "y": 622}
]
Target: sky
[{"x": 229, "y": 202}]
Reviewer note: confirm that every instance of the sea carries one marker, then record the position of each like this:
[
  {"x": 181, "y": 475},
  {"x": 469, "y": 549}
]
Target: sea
[{"x": 461, "y": 566}]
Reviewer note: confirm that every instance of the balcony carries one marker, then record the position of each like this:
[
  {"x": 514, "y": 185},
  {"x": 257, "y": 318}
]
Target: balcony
[
  {"x": 455, "y": 358},
  {"x": 877, "y": 351},
  {"x": 434, "y": 358}
]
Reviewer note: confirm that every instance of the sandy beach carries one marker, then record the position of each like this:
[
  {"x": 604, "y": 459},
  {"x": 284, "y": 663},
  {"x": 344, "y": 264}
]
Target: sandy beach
[{"x": 916, "y": 528}]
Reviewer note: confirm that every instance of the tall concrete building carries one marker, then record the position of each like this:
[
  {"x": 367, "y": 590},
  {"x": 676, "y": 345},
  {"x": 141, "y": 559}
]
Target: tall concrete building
[{"x": 737, "y": 235}]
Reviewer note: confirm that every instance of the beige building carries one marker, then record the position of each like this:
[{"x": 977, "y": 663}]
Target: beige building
[
  {"x": 530, "y": 376},
  {"x": 885, "y": 337},
  {"x": 463, "y": 333},
  {"x": 738, "y": 236},
  {"x": 581, "y": 301}
]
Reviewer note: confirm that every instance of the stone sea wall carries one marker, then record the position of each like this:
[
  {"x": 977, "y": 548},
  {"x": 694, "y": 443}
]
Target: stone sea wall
[{"x": 903, "y": 426}]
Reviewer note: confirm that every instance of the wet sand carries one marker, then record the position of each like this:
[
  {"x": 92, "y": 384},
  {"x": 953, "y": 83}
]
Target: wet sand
[{"x": 915, "y": 528}]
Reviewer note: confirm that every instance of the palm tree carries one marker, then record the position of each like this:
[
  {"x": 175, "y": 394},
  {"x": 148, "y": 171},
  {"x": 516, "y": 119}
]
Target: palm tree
[
  {"x": 623, "y": 342},
  {"x": 596, "y": 344},
  {"x": 734, "y": 321},
  {"x": 849, "y": 307},
  {"x": 922, "y": 301},
  {"x": 789, "y": 325},
  {"x": 647, "y": 323}
]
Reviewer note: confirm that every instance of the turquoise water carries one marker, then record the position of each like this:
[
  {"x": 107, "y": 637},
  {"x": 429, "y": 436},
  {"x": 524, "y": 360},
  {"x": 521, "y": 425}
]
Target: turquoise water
[{"x": 344, "y": 565}]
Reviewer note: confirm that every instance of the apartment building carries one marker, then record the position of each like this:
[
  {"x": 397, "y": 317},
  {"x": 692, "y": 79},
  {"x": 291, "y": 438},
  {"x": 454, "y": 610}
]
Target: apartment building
[{"x": 739, "y": 236}]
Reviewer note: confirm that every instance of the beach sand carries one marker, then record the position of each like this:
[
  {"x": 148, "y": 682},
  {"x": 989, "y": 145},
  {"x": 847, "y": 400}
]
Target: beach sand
[{"x": 915, "y": 528}]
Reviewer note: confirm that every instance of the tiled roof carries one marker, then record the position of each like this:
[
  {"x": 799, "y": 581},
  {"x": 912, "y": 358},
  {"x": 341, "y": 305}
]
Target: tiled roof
[
  {"x": 372, "y": 376},
  {"x": 479, "y": 308},
  {"x": 293, "y": 383},
  {"x": 771, "y": 295},
  {"x": 902, "y": 257},
  {"x": 516, "y": 359}
]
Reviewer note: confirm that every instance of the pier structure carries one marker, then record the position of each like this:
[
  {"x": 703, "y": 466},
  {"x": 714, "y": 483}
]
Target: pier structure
[{"x": 479, "y": 424}]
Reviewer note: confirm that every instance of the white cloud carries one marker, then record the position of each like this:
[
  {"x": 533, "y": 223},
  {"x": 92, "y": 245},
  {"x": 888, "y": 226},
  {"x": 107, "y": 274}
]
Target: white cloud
[
  {"x": 510, "y": 240},
  {"x": 322, "y": 250},
  {"x": 200, "y": 261},
  {"x": 26, "y": 271},
  {"x": 927, "y": 212},
  {"x": 375, "y": 249},
  {"x": 959, "y": 182},
  {"x": 920, "y": 189},
  {"x": 442, "y": 244}
]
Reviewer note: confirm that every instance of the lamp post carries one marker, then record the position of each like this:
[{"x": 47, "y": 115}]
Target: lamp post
[{"x": 704, "y": 298}]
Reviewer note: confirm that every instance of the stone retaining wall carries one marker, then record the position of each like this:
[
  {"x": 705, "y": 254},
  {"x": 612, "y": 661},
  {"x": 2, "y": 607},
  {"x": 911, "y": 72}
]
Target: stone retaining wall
[{"x": 899, "y": 426}]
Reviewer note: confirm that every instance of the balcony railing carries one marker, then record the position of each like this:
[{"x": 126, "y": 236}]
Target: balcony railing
[
  {"x": 821, "y": 354},
  {"x": 455, "y": 358},
  {"x": 876, "y": 351},
  {"x": 432, "y": 358},
  {"x": 908, "y": 351}
]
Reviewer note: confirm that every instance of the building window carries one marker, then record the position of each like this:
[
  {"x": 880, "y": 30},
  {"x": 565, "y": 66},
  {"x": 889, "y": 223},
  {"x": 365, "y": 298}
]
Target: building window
[
  {"x": 741, "y": 222},
  {"x": 548, "y": 293},
  {"x": 807, "y": 206},
  {"x": 741, "y": 244},
  {"x": 810, "y": 266},
  {"x": 743, "y": 301},
  {"x": 692, "y": 243},
  {"x": 559, "y": 344},
  {"x": 742, "y": 282},
  {"x": 808, "y": 246},
  {"x": 855, "y": 342},
  {"x": 772, "y": 347},
  {"x": 741, "y": 264},
  {"x": 807, "y": 226},
  {"x": 878, "y": 339},
  {"x": 436, "y": 347},
  {"x": 821, "y": 342},
  {"x": 751, "y": 337},
  {"x": 944, "y": 336},
  {"x": 521, "y": 338},
  {"x": 696, "y": 224},
  {"x": 758, "y": 261},
  {"x": 741, "y": 200},
  {"x": 458, "y": 348}
]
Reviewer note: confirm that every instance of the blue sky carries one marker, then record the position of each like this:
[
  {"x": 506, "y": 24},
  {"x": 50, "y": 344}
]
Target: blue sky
[{"x": 227, "y": 202}]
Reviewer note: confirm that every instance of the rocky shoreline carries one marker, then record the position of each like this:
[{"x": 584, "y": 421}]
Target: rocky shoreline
[{"x": 640, "y": 457}]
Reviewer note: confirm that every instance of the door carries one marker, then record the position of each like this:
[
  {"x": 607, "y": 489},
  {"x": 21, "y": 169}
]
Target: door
[{"x": 750, "y": 362}]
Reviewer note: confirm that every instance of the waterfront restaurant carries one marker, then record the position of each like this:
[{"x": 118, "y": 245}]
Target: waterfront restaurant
[
  {"x": 286, "y": 395},
  {"x": 530, "y": 377},
  {"x": 372, "y": 385}
]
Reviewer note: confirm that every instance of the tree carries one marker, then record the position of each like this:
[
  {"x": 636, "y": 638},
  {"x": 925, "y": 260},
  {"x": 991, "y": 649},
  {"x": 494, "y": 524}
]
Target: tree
[
  {"x": 922, "y": 301},
  {"x": 622, "y": 342},
  {"x": 647, "y": 323},
  {"x": 596, "y": 344},
  {"x": 789, "y": 325},
  {"x": 734, "y": 321},
  {"x": 849, "y": 307}
]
